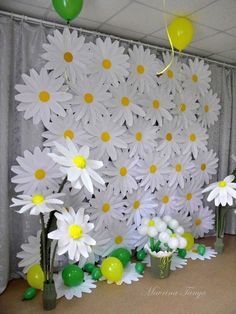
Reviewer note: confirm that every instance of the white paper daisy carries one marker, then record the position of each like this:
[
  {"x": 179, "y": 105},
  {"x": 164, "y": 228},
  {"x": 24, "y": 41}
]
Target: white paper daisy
[
  {"x": 125, "y": 103},
  {"x": 141, "y": 138},
  {"x": 130, "y": 274},
  {"x": 140, "y": 204},
  {"x": 203, "y": 221},
  {"x": 166, "y": 198},
  {"x": 121, "y": 174},
  {"x": 193, "y": 254},
  {"x": 190, "y": 197},
  {"x": 61, "y": 128},
  {"x": 69, "y": 292},
  {"x": 157, "y": 105},
  {"x": 184, "y": 219},
  {"x": 106, "y": 207},
  {"x": 152, "y": 171},
  {"x": 76, "y": 165},
  {"x": 109, "y": 63},
  {"x": 186, "y": 108},
  {"x": 172, "y": 78},
  {"x": 36, "y": 172},
  {"x": 91, "y": 97},
  {"x": 143, "y": 68},
  {"x": 209, "y": 109},
  {"x": 205, "y": 166},
  {"x": 67, "y": 54},
  {"x": 38, "y": 203},
  {"x": 195, "y": 140},
  {"x": 196, "y": 76},
  {"x": 107, "y": 138},
  {"x": 180, "y": 170},
  {"x": 41, "y": 96}
]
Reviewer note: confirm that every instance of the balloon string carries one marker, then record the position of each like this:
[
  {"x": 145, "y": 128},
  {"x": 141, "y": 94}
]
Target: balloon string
[{"x": 170, "y": 41}]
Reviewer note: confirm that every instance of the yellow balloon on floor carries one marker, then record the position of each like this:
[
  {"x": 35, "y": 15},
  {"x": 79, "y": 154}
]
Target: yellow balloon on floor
[
  {"x": 35, "y": 277},
  {"x": 181, "y": 32},
  {"x": 190, "y": 240},
  {"x": 112, "y": 269}
]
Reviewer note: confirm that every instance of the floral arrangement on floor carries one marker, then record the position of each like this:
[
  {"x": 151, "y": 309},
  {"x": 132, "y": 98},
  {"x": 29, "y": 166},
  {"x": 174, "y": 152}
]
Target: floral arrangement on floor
[{"x": 120, "y": 145}]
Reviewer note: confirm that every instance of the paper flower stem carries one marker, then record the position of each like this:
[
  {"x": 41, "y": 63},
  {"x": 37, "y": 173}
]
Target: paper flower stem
[
  {"x": 157, "y": 246},
  {"x": 43, "y": 246},
  {"x": 152, "y": 244},
  {"x": 52, "y": 263}
]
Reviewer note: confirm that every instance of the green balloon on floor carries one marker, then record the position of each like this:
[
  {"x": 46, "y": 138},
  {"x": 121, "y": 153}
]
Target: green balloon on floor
[
  {"x": 139, "y": 267},
  {"x": 72, "y": 275},
  {"x": 182, "y": 253},
  {"x": 201, "y": 249},
  {"x": 96, "y": 273},
  {"x": 89, "y": 267},
  {"x": 141, "y": 254},
  {"x": 123, "y": 255},
  {"x": 29, "y": 294}
]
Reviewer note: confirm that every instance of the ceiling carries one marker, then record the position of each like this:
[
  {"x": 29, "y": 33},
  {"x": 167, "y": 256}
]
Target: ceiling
[{"x": 142, "y": 20}]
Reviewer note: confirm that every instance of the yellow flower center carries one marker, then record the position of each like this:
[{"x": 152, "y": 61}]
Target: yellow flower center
[
  {"x": 198, "y": 221},
  {"x": 151, "y": 223},
  {"x": 105, "y": 137},
  {"x": 192, "y": 137},
  {"x": 75, "y": 232},
  {"x": 153, "y": 168},
  {"x": 118, "y": 239},
  {"x": 173, "y": 235},
  {"x": 88, "y": 98},
  {"x": 69, "y": 133},
  {"x": 169, "y": 137},
  {"x": 203, "y": 167},
  {"x": 194, "y": 78},
  {"x": 222, "y": 184},
  {"x": 106, "y": 207},
  {"x": 136, "y": 204},
  {"x": 165, "y": 199},
  {"x": 156, "y": 104},
  {"x": 80, "y": 162},
  {"x": 206, "y": 108},
  {"x": 182, "y": 107},
  {"x": 44, "y": 96},
  {"x": 125, "y": 101},
  {"x": 170, "y": 73},
  {"x": 178, "y": 167},
  {"x": 40, "y": 174},
  {"x": 140, "y": 69},
  {"x": 138, "y": 136},
  {"x": 106, "y": 63},
  {"x": 189, "y": 196},
  {"x": 68, "y": 57},
  {"x": 37, "y": 199},
  {"x": 123, "y": 171}
]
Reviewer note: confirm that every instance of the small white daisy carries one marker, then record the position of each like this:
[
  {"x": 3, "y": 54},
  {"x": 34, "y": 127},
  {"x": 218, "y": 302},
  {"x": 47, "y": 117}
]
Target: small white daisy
[
  {"x": 36, "y": 172},
  {"x": 209, "y": 109},
  {"x": 193, "y": 253},
  {"x": 130, "y": 274},
  {"x": 203, "y": 221},
  {"x": 106, "y": 138},
  {"x": 152, "y": 171},
  {"x": 151, "y": 226},
  {"x": 166, "y": 197},
  {"x": 125, "y": 103},
  {"x": 205, "y": 166},
  {"x": 140, "y": 204},
  {"x": 108, "y": 63},
  {"x": 67, "y": 54},
  {"x": 141, "y": 138},
  {"x": 143, "y": 68},
  {"x": 157, "y": 105},
  {"x": 196, "y": 76},
  {"x": 41, "y": 96},
  {"x": 195, "y": 140}
]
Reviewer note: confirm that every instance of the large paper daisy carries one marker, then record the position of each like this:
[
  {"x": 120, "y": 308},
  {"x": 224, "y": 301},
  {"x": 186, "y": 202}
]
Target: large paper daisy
[
  {"x": 124, "y": 104},
  {"x": 109, "y": 63},
  {"x": 203, "y": 221},
  {"x": 41, "y": 96},
  {"x": 67, "y": 54},
  {"x": 36, "y": 172},
  {"x": 209, "y": 109},
  {"x": 166, "y": 198}
]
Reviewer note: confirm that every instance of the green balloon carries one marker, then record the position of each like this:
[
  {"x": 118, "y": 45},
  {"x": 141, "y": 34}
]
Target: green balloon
[
  {"x": 139, "y": 267},
  {"x": 141, "y": 254},
  {"x": 96, "y": 273},
  {"x": 182, "y": 253},
  {"x": 29, "y": 294},
  {"x": 72, "y": 275},
  {"x": 68, "y": 9},
  {"x": 123, "y": 255},
  {"x": 201, "y": 249},
  {"x": 89, "y": 267}
]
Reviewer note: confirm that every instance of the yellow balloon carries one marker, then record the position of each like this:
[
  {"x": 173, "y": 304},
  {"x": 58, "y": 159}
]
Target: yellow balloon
[
  {"x": 35, "y": 276},
  {"x": 112, "y": 269},
  {"x": 181, "y": 32},
  {"x": 190, "y": 240}
]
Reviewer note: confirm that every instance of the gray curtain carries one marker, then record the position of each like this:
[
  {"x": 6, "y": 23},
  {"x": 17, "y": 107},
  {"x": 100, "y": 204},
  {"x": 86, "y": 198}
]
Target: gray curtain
[{"x": 21, "y": 46}]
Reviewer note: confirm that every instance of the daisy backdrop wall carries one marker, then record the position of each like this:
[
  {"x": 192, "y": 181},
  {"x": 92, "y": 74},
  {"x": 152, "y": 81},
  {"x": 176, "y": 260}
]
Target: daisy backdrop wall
[{"x": 159, "y": 146}]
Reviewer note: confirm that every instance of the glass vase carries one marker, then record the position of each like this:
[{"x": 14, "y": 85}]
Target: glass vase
[{"x": 49, "y": 296}]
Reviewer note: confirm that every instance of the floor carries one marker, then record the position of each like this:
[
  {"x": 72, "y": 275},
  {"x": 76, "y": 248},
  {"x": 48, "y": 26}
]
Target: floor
[{"x": 202, "y": 287}]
